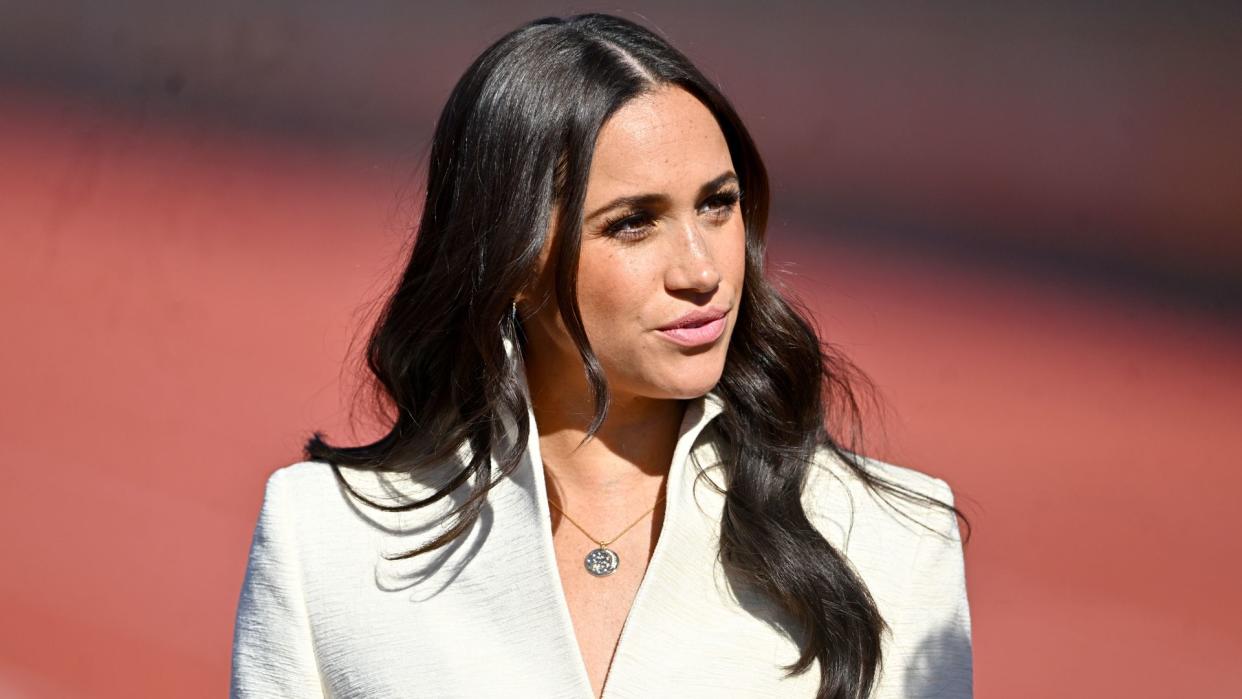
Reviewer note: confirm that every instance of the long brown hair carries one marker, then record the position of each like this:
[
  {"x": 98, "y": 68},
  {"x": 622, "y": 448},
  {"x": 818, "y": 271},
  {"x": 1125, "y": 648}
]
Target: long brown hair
[{"x": 514, "y": 140}]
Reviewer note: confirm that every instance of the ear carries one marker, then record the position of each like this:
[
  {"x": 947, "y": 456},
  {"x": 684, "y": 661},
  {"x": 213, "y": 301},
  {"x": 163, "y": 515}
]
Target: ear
[
  {"x": 532, "y": 300},
  {"x": 522, "y": 299}
]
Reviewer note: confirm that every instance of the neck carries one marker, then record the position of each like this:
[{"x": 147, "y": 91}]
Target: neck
[{"x": 630, "y": 454}]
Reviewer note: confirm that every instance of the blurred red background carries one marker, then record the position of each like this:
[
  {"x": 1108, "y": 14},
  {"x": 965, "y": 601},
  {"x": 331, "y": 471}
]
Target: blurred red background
[{"x": 1024, "y": 221}]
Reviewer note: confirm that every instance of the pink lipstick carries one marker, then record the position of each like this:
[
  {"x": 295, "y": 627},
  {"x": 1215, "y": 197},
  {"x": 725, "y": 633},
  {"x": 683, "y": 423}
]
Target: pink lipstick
[{"x": 696, "y": 328}]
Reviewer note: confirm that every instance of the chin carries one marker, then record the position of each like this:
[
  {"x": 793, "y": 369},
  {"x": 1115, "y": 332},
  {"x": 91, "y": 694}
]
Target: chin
[{"x": 692, "y": 382}]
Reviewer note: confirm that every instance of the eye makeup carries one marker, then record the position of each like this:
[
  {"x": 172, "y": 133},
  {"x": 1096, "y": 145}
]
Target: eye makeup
[{"x": 631, "y": 225}]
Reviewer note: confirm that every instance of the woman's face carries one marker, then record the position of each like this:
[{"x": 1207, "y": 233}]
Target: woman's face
[{"x": 662, "y": 237}]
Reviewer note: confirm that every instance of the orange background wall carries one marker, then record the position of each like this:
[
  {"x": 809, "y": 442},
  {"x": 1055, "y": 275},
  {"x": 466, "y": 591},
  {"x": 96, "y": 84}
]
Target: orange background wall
[{"x": 1024, "y": 223}]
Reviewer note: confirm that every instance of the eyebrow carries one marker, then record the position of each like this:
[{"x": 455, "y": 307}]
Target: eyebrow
[{"x": 644, "y": 200}]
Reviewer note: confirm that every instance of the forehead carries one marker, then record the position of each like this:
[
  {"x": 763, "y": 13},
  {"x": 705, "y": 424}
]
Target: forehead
[{"x": 665, "y": 140}]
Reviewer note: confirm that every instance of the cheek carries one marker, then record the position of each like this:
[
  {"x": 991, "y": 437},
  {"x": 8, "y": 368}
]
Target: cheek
[
  {"x": 732, "y": 254},
  {"x": 614, "y": 289},
  {"x": 614, "y": 286}
]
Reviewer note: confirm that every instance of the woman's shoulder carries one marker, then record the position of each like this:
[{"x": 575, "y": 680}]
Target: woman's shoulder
[
  {"x": 300, "y": 486},
  {"x": 330, "y": 499},
  {"x": 311, "y": 480},
  {"x": 830, "y": 465},
  {"x": 300, "y": 474},
  {"x": 312, "y": 520},
  {"x": 907, "y": 548},
  {"x": 908, "y": 551},
  {"x": 302, "y": 492},
  {"x": 886, "y": 498}
]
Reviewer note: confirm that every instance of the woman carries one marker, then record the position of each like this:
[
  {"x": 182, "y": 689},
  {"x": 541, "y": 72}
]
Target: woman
[{"x": 608, "y": 471}]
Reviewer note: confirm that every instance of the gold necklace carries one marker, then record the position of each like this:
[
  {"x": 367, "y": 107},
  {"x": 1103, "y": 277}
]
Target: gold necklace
[{"x": 603, "y": 560}]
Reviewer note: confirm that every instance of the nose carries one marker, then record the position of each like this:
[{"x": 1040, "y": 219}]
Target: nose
[{"x": 691, "y": 266}]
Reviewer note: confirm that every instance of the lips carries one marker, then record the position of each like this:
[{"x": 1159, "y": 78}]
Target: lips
[{"x": 698, "y": 327}]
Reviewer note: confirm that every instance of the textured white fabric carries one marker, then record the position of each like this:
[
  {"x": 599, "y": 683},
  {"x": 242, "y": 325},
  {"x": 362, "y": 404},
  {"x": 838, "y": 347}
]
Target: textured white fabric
[{"x": 322, "y": 614}]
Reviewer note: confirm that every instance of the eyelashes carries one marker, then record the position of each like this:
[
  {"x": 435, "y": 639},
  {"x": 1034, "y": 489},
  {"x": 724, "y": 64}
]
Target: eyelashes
[{"x": 632, "y": 225}]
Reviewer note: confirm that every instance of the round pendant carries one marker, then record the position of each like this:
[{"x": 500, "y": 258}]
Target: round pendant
[{"x": 602, "y": 561}]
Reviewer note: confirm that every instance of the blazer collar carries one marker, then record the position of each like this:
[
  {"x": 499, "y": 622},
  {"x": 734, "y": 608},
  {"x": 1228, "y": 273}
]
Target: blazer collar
[{"x": 683, "y": 542}]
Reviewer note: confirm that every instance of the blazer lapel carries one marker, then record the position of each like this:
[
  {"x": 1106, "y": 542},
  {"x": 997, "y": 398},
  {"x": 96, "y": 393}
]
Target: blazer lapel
[{"x": 680, "y": 541}]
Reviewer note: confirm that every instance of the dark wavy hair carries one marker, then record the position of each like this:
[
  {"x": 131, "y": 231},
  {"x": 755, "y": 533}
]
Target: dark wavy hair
[{"x": 514, "y": 140}]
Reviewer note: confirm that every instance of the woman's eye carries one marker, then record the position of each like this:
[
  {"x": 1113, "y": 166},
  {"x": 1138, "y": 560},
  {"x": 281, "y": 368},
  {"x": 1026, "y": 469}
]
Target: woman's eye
[
  {"x": 628, "y": 227},
  {"x": 722, "y": 202},
  {"x": 635, "y": 226}
]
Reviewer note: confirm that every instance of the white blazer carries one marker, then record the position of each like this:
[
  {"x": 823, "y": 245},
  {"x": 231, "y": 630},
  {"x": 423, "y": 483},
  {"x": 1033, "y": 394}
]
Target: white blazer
[{"x": 322, "y": 614}]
